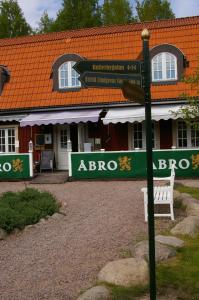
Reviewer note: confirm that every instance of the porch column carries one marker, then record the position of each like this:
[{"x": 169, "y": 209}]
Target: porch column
[{"x": 80, "y": 133}]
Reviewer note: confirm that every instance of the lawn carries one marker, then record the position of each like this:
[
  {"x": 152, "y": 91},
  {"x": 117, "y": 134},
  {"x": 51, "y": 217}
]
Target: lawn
[
  {"x": 194, "y": 192},
  {"x": 24, "y": 208},
  {"x": 182, "y": 273}
]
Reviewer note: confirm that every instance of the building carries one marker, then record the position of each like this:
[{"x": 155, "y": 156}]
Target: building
[{"x": 42, "y": 100}]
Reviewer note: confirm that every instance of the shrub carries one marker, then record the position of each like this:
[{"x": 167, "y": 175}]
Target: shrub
[{"x": 24, "y": 208}]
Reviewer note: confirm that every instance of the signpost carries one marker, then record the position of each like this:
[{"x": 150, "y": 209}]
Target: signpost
[
  {"x": 109, "y": 80},
  {"x": 149, "y": 157},
  {"x": 133, "y": 92},
  {"x": 128, "y": 76},
  {"x": 108, "y": 66}
]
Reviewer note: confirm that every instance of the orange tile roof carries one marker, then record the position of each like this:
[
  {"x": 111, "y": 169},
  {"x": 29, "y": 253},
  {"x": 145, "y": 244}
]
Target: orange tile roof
[{"x": 30, "y": 59}]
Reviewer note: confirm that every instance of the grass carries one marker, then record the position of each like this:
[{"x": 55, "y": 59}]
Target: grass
[
  {"x": 124, "y": 293},
  {"x": 194, "y": 192},
  {"x": 181, "y": 273},
  {"x": 24, "y": 208}
]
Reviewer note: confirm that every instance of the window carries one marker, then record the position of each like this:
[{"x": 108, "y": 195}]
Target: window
[
  {"x": 187, "y": 135},
  {"x": 63, "y": 138},
  {"x": 64, "y": 77},
  {"x": 68, "y": 77},
  {"x": 194, "y": 137},
  {"x": 164, "y": 67},
  {"x": 167, "y": 64},
  {"x": 4, "y": 76},
  {"x": 7, "y": 140},
  {"x": 139, "y": 135}
]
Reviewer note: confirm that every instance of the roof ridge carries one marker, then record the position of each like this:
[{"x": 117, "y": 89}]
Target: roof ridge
[{"x": 111, "y": 29}]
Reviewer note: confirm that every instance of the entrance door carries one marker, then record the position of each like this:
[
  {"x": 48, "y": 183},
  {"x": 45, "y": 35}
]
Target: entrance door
[
  {"x": 63, "y": 137},
  {"x": 165, "y": 134}
]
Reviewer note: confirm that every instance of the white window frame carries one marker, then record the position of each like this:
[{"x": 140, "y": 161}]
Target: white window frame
[
  {"x": 188, "y": 135},
  {"x": 6, "y": 128},
  {"x": 163, "y": 69},
  {"x": 131, "y": 136},
  {"x": 70, "y": 74}
]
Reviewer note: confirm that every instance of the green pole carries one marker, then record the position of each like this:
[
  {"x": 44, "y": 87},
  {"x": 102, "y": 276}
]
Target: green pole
[{"x": 149, "y": 154}]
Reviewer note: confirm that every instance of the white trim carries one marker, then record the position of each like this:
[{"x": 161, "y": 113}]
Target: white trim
[
  {"x": 188, "y": 139},
  {"x": 142, "y": 150},
  {"x": 69, "y": 68},
  {"x": 31, "y": 163},
  {"x": 164, "y": 69},
  {"x": 15, "y": 127},
  {"x": 70, "y": 164},
  {"x": 156, "y": 143}
]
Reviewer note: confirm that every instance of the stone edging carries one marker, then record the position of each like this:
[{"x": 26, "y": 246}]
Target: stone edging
[{"x": 132, "y": 271}]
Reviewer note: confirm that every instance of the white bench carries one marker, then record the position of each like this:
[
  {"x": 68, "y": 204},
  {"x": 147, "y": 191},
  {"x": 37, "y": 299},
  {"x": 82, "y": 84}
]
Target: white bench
[{"x": 162, "y": 195}]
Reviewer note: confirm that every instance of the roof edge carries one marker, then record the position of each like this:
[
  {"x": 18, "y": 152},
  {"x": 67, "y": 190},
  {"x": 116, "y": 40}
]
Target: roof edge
[{"x": 111, "y": 29}]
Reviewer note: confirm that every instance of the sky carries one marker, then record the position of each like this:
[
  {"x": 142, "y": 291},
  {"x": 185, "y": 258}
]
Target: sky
[{"x": 33, "y": 9}]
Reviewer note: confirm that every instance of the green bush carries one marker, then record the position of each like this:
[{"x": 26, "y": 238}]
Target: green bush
[{"x": 24, "y": 208}]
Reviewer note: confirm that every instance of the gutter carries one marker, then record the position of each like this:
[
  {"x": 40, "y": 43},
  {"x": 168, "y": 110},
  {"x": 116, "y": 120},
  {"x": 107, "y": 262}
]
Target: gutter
[{"x": 92, "y": 106}]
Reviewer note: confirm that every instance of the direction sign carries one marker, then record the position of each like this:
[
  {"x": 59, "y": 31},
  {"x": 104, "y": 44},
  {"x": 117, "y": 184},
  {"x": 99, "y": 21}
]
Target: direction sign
[
  {"x": 108, "y": 66},
  {"x": 108, "y": 80},
  {"x": 133, "y": 92}
]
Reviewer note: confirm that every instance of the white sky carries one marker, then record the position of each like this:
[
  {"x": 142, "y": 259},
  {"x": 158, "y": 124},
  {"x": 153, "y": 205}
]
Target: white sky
[{"x": 33, "y": 9}]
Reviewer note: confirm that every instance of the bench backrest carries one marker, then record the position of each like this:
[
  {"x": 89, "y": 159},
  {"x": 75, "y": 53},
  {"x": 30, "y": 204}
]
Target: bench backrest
[{"x": 172, "y": 177}]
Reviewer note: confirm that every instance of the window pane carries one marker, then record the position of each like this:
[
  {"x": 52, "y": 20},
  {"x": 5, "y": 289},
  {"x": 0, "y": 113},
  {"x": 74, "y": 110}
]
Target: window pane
[
  {"x": 182, "y": 134},
  {"x": 74, "y": 75},
  {"x": 63, "y": 75},
  {"x": 157, "y": 67},
  {"x": 170, "y": 66},
  {"x": 63, "y": 138},
  {"x": 2, "y": 140},
  {"x": 138, "y": 135},
  {"x": 194, "y": 137},
  {"x": 11, "y": 140}
]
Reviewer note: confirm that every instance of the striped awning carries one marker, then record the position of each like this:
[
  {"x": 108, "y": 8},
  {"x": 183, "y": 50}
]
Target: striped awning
[
  {"x": 137, "y": 114},
  {"x": 63, "y": 117}
]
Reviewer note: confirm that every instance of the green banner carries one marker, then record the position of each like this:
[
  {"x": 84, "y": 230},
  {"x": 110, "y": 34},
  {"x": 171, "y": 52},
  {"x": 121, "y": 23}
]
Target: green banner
[
  {"x": 132, "y": 164},
  {"x": 14, "y": 166}
]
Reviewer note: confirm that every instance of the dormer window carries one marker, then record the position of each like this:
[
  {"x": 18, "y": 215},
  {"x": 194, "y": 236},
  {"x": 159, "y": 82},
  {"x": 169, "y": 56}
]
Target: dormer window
[
  {"x": 167, "y": 64},
  {"x": 68, "y": 77},
  {"x": 164, "y": 67},
  {"x": 65, "y": 78},
  {"x": 4, "y": 76}
]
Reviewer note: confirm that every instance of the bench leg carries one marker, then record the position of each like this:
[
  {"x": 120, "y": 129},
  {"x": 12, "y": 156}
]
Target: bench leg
[
  {"x": 145, "y": 211},
  {"x": 172, "y": 212}
]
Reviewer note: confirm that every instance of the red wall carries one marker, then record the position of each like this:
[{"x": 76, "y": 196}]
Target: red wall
[
  {"x": 115, "y": 137},
  {"x": 25, "y": 135}
]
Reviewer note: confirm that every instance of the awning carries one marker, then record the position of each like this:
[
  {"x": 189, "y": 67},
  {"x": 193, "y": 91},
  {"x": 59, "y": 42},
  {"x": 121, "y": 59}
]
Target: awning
[
  {"x": 10, "y": 118},
  {"x": 73, "y": 116},
  {"x": 133, "y": 114}
]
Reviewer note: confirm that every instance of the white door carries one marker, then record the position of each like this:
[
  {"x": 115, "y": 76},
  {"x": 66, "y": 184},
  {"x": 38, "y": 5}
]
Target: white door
[{"x": 63, "y": 137}]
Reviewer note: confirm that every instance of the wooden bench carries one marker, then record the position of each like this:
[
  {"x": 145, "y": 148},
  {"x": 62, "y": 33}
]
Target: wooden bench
[{"x": 163, "y": 194}]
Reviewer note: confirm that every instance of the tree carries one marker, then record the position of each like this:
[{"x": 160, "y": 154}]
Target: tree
[
  {"x": 116, "y": 12},
  {"x": 190, "y": 113},
  {"x": 45, "y": 24},
  {"x": 12, "y": 21},
  {"x": 149, "y": 10},
  {"x": 77, "y": 14}
]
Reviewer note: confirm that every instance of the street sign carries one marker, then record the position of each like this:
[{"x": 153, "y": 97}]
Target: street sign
[
  {"x": 108, "y": 80},
  {"x": 108, "y": 66},
  {"x": 133, "y": 92}
]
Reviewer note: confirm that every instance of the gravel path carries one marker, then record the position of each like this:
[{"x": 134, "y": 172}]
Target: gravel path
[{"x": 58, "y": 258}]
